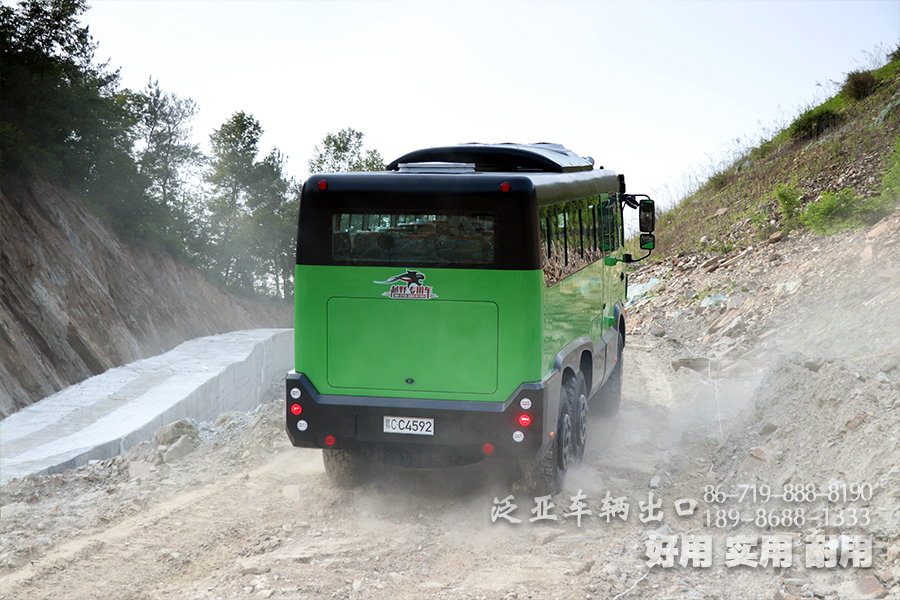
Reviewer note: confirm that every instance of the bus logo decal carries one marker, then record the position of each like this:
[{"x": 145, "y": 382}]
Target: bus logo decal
[{"x": 408, "y": 286}]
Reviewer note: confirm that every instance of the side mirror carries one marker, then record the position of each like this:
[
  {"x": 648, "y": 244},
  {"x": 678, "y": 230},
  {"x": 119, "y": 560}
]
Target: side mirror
[
  {"x": 646, "y": 218},
  {"x": 647, "y": 241}
]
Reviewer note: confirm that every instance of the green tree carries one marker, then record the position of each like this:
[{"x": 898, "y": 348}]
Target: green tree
[
  {"x": 254, "y": 211},
  {"x": 165, "y": 135},
  {"x": 235, "y": 146},
  {"x": 46, "y": 59},
  {"x": 274, "y": 204},
  {"x": 63, "y": 116},
  {"x": 168, "y": 159},
  {"x": 343, "y": 152}
]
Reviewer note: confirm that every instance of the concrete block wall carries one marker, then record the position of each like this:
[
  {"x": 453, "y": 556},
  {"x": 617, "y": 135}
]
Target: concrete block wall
[{"x": 107, "y": 414}]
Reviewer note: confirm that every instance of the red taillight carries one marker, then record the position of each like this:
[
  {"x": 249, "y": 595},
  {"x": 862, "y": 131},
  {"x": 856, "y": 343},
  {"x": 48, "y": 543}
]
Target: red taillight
[
  {"x": 504, "y": 187},
  {"x": 524, "y": 420},
  {"x": 488, "y": 448},
  {"x": 296, "y": 409},
  {"x": 330, "y": 440},
  {"x": 323, "y": 185}
]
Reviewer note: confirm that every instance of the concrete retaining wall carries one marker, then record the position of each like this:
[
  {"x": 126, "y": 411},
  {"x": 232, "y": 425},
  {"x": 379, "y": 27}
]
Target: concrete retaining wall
[{"x": 107, "y": 414}]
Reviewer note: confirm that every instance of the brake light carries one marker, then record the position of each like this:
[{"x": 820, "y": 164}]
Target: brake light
[
  {"x": 488, "y": 448},
  {"x": 296, "y": 409},
  {"x": 322, "y": 185},
  {"x": 524, "y": 420},
  {"x": 504, "y": 187},
  {"x": 330, "y": 440}
]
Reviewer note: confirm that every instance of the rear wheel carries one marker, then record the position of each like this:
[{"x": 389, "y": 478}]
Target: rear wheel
[
  {"x": 548, "y": 476},
  {"x": 577, "y": 393},
  {"x": 345, "y": 469}
]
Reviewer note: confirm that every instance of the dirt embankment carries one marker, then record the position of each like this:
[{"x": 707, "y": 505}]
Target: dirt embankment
[
  {"x": 75, "y": 300},
  {"x": 778, "y": 372}
]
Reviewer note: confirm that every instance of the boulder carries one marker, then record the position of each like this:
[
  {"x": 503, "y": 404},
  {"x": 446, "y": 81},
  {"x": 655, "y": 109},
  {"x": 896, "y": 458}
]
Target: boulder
[{"x": 174, "y": 431}]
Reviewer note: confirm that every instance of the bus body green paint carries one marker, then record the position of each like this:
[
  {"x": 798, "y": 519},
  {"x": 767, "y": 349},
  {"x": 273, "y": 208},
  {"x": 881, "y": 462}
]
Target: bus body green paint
[
  {"x": 581, "y": 305},
  {"x": 478, "y": 340}
]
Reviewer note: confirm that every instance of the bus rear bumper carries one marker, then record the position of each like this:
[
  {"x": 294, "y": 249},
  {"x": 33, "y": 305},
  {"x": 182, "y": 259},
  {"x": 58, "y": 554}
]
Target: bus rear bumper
[{"x": 459, "y": 427}]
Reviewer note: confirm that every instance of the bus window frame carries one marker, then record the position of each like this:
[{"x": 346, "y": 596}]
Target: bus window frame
[
  {"x": 584, "y": 254},
  {"x": 362, "y": 262},
  {"x": 517, "y": 244}
]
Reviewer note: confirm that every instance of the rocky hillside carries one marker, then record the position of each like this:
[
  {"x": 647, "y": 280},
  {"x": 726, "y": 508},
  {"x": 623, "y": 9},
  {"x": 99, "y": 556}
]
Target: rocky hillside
[
  {"x": 836, "y": 165},
  {"x": 75, "y": 300},
  {"x": 729, "y": 306}
]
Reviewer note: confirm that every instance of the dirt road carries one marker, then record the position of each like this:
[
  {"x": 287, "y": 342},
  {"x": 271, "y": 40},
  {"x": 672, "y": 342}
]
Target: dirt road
[
  {"x": 251, "y": 516},
  {"x": 244, "y": 515}
]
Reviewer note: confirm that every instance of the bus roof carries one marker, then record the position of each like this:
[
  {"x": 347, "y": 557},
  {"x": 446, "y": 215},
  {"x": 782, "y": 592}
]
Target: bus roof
[
  {"x": 508, "y": 180},
  {"x": 555, "y": 173},
  {"x": 504, "y": 158}
]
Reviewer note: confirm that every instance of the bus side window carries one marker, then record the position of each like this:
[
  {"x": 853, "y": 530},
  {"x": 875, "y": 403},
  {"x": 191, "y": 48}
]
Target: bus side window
[
  {"x": 591, "y": 227},
  {"x": 562, "y": 239},
  {"x": 620, "y": 224},
  {"x": 588, "y": 211},
  {"x": 574, "y": 233},
  {"x": 552, "y": 243},
  {"x": 609, "y": 219},
  {"x": 341, "y": 237},
  {"x": 545, "y": 238},
  {"x": 571, "y": 235}
]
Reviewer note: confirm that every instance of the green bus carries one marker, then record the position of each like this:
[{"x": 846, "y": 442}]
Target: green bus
[{"x": 465, "y": 304}]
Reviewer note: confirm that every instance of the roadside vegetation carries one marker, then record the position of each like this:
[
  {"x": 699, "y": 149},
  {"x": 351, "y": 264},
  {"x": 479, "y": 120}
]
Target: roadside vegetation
[
  {"x": 232, "y": 213},
  {"x": 129, "y": 155},
  {"x": 836, "y": 166}
]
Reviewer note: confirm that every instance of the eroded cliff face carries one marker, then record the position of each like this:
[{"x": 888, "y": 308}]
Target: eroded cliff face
[{"x": 75, "y": 300}]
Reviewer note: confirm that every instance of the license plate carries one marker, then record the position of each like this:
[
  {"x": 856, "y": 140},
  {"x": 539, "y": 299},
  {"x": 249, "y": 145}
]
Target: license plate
[{"x": 409, "y": 425}]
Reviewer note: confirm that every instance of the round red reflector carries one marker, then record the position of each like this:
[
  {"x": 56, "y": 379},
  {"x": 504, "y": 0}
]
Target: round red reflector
[
  {"x": 323, "y": 185},
  {"x": 296, "y": 409},
  {"x": 488, "y": 448},
  {"x": 330, "y": 440},
  {"x": 504, "y": 187},
  {"x": 524, "y": 420}
]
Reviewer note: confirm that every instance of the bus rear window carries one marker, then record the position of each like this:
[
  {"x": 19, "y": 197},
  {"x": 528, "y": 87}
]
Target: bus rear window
[{"x": 464, "y": 239}]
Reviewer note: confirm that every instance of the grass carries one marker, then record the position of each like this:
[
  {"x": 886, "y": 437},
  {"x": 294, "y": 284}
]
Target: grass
[
  {"x": 859, "y": 85},
  {"x": 798, "y": 178},
  {"x": 834, "y": 211},
  {"x": 815, "y": 121},
  {"x": 789, "y": 201},
  {"x": 890, "y": 184}
]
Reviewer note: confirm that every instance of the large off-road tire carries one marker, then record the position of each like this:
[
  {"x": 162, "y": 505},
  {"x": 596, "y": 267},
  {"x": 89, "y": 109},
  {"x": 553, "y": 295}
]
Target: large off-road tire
[
  {"x": 345, "y": 469},
  {"x": 548, "y": 476},
  {"x": 576, "y": 391},
  {"x": 609, "y": 398}
]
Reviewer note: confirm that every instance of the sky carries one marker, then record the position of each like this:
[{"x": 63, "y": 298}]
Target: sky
[{"x": 654, "y": 90}]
